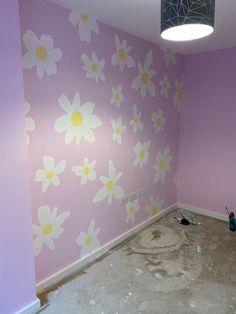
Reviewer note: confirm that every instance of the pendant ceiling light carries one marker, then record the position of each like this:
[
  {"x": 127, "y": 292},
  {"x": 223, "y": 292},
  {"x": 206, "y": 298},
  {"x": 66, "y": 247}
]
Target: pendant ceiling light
[{"x": 187, "y": 19}]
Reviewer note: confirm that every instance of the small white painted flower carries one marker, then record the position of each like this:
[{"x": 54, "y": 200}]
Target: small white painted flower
[
  {"x": 79, "y": 120},
  {"x": 117, "y": 96},
  {"x": 121, "y": 56},
  {"x": 142, "y": 153},
  {"x": 93, "y": 67},
  {"x": 49, "y": 228},
  {"x": 88, "y": 241},
  {"x": 86, "y": 24},
  {"x": 158, "y": 121},
  {"x": 176, "y": 178},
  {"x": 135, "y": 122},
  {"x": 30, "y": 124},
  {"x": 110, "y": 187},
  {"x": 165, "y": 86},
  {"x": 169, "y": 56},
  {"x": 85, "y": 171},
  {"x": 179, "y": 94},
  {"x": 41, "y": 54},
  {"x": 118, "y": 130},
  {"x": 143, "y": 80},
  {"x": 155, "y": 205},
  {"x": 131, "y": 209},
  {"x": 49, "y": 175},
  {"x": 163, "y": 164}
]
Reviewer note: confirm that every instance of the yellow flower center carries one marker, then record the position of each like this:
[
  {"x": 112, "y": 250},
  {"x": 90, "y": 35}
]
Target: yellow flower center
[
  {"x": 77, "y": 118},
  {"x": 158, "y": 121},
  {"x": 41, "y": 53},
  {"x": 132, "y": 210},
  {"x": 165, "y": 85},
  {"x": 180, "y": 93},
  {"x": 88, "y": 240},
  {"x": 86, "y": 170},
  {"x": 154, "y": 211},
  {"x": 168, "y": 52},
  {"x": 162, "y": 164},
  {"x": 136, "y": 120},
  {"x": 122, "y": 54},
  {"x": 117, "y": 131},
  {"x": 49, "y": 174},
  {"x": 109, "y": 185},
  {"x": 145, "y": 78},
  {"x": 84, "y": 17},
  {"x": 117, "y": 97},
  {"x": 47, "y": 229},
  {"x": 94, "y": 67},
  {"x": 141, "y": 154}
]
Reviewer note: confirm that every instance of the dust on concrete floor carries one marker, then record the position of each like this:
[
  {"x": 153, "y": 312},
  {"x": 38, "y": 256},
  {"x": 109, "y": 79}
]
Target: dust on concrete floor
[{"x": 166, "y": 268}]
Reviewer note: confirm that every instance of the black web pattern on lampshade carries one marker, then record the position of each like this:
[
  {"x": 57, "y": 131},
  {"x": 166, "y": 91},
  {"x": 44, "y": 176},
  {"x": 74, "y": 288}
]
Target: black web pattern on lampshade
[{"x": 179, "y": 12}]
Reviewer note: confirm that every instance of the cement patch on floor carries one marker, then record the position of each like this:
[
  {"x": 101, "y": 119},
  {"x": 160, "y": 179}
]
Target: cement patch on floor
[{"x": 166, "y": 268}]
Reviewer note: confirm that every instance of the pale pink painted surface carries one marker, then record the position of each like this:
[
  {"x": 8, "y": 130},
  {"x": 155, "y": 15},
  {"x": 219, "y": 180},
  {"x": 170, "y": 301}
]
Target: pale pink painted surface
[
  {"x": 17, "y": 281},
  {"x": 208, "y": 128},
  {"x": 42, "y": 17}
]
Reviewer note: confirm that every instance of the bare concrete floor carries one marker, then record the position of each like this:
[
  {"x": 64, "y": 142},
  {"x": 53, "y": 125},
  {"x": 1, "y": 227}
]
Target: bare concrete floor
[{"x": 166, "y": 268}]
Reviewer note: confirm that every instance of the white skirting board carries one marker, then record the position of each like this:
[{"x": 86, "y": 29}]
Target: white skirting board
[
  {"x": 204, "y": 212},
  {"x": 30, "y": 308},
  {"x": 55, "y": 278}
]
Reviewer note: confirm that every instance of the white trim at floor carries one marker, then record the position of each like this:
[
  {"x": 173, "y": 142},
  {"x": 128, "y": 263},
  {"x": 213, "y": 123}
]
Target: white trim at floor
[
  {"x": 55, "y": 278},
  {"x": 30, "y": 308}
]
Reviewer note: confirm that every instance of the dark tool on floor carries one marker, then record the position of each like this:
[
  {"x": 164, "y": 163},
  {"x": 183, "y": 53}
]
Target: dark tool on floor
[{"x": 232, "y": 220}]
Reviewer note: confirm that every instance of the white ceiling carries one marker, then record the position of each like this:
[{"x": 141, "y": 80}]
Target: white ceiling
[{"x": 142, "y": 18}]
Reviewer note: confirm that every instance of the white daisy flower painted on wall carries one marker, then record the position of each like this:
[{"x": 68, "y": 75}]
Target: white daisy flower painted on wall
[
  {"x": 136, "y": 120},
  {"x": 78, "y": 122},
  {"x": 131, "y": 209},
  {"x": 88, "y": 241},
  {"x": 155, "y": 205},
  {"x": 93, "y": 67},
  {"x": 169, "y": 56},
  {"x": 41, "y": 54},
  {"x": 29, "y": 122},
  {"x": 86, "y": 24},
  {"x": 121, "y": 56},
  {"x": 179, "y": 94},
  {"x": 85, "y": 171},
  {"x": 143, "y": 80},
  {"x": 118, "y": 130},
  {"x": 158, "y": 121},
  {"x": 49, "y": 229},
  {"x": 163, "y": 164},
  {"x": 117, "y": 96},
  {"x": 165, "y": 86},
  {"x": 142, "y": 153},
  {"x": 49, "y": 175},
  {"x": 110, "y": 188}
]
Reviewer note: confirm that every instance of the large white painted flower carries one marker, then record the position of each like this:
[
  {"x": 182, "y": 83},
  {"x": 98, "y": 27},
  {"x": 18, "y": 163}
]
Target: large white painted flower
[
  {"x": 110, "y": 187},
  {"x": 118, "y": 130},
  {"x": 142, "y": 153},
  {"x": 85, "y": 171},
  {"x": 86, "y": 24},
  {"x": 155, "y": 205},
  {"x": 41, "y": 54},
  {"x": 79, "y": 120},
  {"x": 49, "y": 228},
  {"x": 179, "y": 94},
  {"x": 158, "y": 121},
  {"x": 163, "y": 164},
  {"x": 169, "y": 56},
  {"x": 93, "y": 67},
  {"x": 165, "y": 86},
  {"x": 121, "y": 56},
  {"x": 88, "y": 241},
  {"x": 131, "y": 209},
  {"x": 117, "y": 96},
  {"x": 49, "y": 175},
  {"x": 29, "y": 122},
  {"x": 135, "y": 122},
  {"x": 143, "y": 80}
]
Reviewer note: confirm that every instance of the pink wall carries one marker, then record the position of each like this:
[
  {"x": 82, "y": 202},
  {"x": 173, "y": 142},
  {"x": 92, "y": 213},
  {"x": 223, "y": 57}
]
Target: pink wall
[
  {"x": 208, "y": 128},
  {"x": 17, "y": 282},
  {"x": 60, "y": 237}
]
